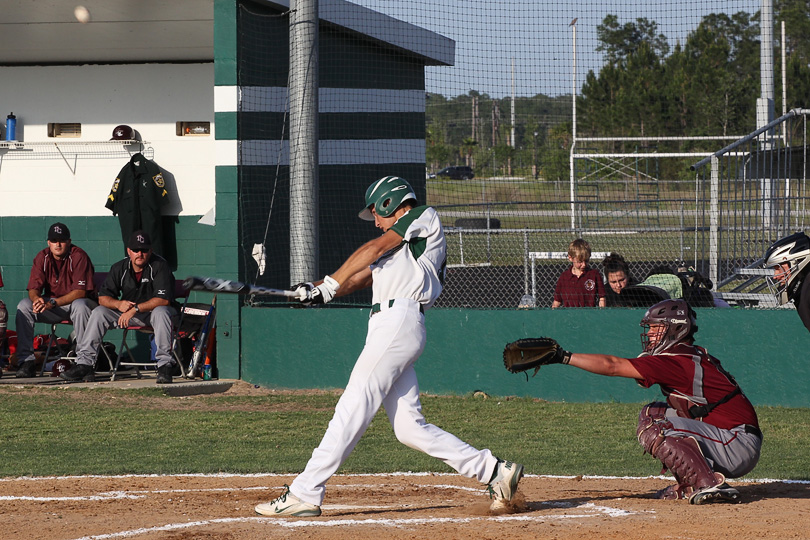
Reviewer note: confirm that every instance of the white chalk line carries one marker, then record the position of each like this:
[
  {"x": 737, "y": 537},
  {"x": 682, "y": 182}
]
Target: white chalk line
[
  {"x": 587, "y": 510},
  {"x": 597, "y": 511},
  {"x": 374, "y": 475},
  {"x": 142, "y": 493}
]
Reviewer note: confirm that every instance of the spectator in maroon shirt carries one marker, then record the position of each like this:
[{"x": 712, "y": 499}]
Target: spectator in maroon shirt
[{"x": 579, "y": 285}]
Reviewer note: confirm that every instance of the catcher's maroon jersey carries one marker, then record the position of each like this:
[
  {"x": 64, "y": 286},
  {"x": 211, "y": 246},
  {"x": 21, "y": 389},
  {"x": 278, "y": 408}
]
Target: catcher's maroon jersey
[{"x": 688, "y": 370}]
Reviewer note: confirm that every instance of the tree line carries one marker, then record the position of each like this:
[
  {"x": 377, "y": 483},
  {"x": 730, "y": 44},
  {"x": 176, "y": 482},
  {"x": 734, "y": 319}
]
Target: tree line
[{"x": 706, "y": 86}]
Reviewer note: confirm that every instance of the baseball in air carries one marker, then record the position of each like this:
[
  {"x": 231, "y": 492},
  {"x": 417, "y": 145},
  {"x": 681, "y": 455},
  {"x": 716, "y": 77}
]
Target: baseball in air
[{"x": 82, "y": 14}]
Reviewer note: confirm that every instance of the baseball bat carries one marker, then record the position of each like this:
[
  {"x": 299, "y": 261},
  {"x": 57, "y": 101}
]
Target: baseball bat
[
  {"x": 202, "y": 342},
  {"x": 196, "y": 283}
]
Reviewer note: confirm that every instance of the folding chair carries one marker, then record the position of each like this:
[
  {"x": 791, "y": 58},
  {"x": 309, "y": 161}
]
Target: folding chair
[
  {"x": 179, "y": 292},
  {"x": 98, "y": 281}
]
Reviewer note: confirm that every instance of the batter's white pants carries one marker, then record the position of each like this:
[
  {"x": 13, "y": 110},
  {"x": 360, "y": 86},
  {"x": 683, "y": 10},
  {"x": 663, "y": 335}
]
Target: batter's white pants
[{"x": 384, "y": 375}]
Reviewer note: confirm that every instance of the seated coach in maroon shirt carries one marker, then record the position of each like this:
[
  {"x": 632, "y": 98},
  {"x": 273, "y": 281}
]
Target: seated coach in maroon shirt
[{"x": 61, "y": 281}]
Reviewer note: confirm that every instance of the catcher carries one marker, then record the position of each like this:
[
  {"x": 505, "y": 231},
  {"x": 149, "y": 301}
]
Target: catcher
[{"x": 706, "y": 431}]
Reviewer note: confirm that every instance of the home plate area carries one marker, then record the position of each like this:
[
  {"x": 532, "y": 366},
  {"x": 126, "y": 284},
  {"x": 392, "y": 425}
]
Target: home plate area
[{"x": 405, "y": 505}]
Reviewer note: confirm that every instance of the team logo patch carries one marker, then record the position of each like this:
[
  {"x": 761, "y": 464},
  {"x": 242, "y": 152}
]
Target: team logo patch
[
  {"x": 57, "y": 229},
  {"x": 115, "y": 185},
  {"x": 140, "y": 239},
  {"x": 590, "y": 285},
  {"x": 159, "y": 182},
  {"x": 161, "y": 292}
]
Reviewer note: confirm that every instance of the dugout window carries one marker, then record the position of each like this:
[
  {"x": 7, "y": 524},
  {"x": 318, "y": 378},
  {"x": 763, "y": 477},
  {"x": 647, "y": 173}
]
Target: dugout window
[
  {"x": 192, "y": 129},
  {"x": 64, "y": 130}
]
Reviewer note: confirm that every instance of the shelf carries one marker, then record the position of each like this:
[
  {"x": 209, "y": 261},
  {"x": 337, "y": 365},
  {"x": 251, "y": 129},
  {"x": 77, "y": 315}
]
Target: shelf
[{"x": 71, "y": 151}]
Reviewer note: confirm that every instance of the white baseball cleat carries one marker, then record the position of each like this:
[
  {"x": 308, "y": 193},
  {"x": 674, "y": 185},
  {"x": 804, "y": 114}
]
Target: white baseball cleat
[
  {"x": 504, "y": 483},
  {"x": 288, "y": 505}
]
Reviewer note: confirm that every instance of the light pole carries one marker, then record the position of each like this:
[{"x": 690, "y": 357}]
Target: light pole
[
  {"x": 573, "y": 26},
  {"x": 534, "y": 157}
]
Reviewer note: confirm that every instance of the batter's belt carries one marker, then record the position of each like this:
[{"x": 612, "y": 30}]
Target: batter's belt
[{"x": 376, "y": 308}]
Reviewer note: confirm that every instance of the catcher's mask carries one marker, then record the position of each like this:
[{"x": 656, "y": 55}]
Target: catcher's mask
[
  {"x": 793, "y": 251},
  {"x": 673, "y": 321},
  {"x": 385, "y": 195}
]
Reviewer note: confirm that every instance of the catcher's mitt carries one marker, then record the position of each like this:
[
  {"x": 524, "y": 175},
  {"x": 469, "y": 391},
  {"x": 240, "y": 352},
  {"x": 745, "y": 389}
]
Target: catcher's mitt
[{"x": 524, "y": 354}]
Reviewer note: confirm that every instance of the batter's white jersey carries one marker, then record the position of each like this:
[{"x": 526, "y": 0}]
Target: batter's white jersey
[{"x": 414, "y": 269}]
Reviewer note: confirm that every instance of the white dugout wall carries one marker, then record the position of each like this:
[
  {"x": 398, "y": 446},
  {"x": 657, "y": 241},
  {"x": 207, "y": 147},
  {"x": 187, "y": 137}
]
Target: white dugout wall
[{"x": 151, "y": 98}]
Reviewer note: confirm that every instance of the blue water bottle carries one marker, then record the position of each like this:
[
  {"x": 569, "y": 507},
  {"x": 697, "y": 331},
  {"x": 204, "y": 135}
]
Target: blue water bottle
[{"x": 11, "y": 127}]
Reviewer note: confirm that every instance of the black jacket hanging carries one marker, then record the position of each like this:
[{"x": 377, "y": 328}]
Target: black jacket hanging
[{"x": 136, "y": 197}]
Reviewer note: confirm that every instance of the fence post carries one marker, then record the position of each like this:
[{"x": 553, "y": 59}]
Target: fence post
[
  {"x": 461, "y": 246},
  {"x": 489, "y": 246},
  {"x": 713, "y": 221},
  {"x": 526, "y": 263}
]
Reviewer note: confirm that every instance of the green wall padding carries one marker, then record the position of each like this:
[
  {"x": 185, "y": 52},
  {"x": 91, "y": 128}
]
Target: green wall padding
[{"x": 766, "y": 350}]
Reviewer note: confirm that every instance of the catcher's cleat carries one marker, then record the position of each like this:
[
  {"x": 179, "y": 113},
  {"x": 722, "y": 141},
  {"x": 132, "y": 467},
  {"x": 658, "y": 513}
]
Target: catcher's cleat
[
  {"x": 504, "y": 483},
  {"x": 674, "y": 492},
  {"x": 288, "y": 505},
  {"x": 719, "y": 493}
]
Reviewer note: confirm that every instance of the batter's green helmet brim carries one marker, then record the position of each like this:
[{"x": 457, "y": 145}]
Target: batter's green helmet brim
[{"x": 386, "y": 195}]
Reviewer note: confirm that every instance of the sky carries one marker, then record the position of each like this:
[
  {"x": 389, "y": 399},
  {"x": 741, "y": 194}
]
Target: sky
[{"x": 537, "y": 35}]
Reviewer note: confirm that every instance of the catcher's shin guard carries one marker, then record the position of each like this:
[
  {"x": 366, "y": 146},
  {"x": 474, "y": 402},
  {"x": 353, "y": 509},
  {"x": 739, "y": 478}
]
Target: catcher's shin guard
[
  {"x": 651, "y": 422},
  {"x": 681, "y": 455}
]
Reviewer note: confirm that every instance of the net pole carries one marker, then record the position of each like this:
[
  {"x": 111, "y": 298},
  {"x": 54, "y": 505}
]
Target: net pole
[{"x": 303, "y": 140}]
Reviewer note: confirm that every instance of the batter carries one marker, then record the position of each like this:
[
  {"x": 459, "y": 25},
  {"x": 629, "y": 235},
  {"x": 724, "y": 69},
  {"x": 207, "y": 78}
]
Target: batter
[{"x": 405, "y": 268}]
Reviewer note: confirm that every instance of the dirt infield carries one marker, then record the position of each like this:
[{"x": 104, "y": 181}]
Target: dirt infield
[{"x": 397, "y": 506}]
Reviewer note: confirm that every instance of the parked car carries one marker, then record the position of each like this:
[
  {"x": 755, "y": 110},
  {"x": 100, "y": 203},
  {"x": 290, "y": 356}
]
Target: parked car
[{"x": 460, "y": 172}]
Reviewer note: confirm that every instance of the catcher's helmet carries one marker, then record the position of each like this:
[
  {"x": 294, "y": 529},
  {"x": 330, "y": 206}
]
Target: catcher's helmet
[
  {"x": 385, "y": 195},
  {"x": 793, "y": 250},
  {"x": 123, "y": 133},
  {"x": 676, "y": 321},
  {"x": 60, "y": 366}
]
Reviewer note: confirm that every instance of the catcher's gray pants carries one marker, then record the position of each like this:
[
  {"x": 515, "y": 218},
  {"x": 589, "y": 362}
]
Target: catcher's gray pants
[
  {"x": 78, "y": 312},
  {"x": 384, "y": 375},
  {"x": 102, "y": 319},
  {"x": 732, "y": 452}
]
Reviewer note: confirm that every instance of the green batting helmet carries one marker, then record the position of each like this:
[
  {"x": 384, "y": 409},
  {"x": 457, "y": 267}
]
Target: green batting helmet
[{"x": 385, "y": 195}]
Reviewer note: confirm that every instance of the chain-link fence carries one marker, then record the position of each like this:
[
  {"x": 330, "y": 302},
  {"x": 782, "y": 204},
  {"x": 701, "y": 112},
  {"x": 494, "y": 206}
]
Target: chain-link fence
[{"x": 527, "y": 126}]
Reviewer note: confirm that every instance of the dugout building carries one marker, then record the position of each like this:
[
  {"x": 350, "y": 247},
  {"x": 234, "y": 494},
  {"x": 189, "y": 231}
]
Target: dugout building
[{"x": 203, "y": 83}]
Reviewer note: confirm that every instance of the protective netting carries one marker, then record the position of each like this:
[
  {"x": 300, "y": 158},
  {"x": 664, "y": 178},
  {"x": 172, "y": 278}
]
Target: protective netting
[{"x": 473, "y": 102}]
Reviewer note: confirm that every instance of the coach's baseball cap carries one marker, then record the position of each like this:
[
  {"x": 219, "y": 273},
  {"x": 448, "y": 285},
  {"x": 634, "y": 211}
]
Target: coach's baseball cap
[
  {"x": 58, "y": 232},
  {"x": 139, "y": 240}
]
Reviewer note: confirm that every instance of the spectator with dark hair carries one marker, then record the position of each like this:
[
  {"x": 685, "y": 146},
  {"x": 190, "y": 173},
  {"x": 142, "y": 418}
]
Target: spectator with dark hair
[{"x": 617, "y": 278}]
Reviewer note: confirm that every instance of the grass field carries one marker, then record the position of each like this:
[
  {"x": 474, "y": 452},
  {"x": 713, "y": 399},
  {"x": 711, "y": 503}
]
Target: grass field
[{"x": 67, "y": 431}]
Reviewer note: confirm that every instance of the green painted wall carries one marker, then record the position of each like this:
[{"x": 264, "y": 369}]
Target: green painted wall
[{"x": 766, "y": 350}]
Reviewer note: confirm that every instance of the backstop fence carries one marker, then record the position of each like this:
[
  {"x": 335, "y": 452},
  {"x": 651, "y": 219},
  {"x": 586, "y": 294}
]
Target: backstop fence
[{"x": 630, "y": 135}]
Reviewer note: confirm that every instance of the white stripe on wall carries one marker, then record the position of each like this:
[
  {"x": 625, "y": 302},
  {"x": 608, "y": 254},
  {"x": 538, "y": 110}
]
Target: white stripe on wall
[
  {"x": 226, "y": 98},
  {"x": 343, "y": 152},
  {"x": 226, "y": 153},
  {"x": 330, "y": 100}
]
